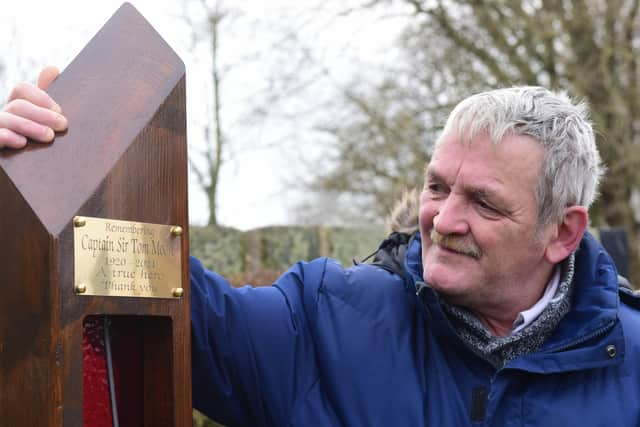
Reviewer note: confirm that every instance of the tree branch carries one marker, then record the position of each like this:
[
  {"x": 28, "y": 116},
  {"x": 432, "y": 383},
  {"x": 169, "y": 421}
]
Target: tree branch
[{"x": 495, "y": 32}]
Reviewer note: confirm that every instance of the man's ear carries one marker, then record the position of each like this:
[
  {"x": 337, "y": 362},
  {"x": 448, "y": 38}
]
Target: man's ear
[{"x": 568, "y": 234}]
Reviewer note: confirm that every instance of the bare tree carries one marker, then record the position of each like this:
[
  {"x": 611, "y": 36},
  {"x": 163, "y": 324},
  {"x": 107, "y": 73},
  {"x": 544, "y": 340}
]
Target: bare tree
[
  {"x": 209, "y": 174},
  {"x": 268, "y": 118}
]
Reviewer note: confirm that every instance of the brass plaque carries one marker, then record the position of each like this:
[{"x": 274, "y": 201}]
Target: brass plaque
[{"x": 127, "y": 259}]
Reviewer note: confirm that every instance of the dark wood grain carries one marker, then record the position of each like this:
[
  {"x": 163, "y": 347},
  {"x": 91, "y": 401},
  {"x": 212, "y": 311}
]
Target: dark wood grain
[{"x": 123, "y": 157}]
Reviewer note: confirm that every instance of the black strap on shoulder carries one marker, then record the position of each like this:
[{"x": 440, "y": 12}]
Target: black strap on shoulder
[{"x": 390, "y": 253}]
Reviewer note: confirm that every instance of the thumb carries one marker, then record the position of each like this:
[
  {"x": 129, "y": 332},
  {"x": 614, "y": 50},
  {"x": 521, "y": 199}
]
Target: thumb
[{"x": 47, "y": 75}]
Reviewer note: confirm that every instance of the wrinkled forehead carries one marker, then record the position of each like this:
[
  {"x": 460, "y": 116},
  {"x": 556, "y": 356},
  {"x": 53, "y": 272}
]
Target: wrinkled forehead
[
  {"x": 512, "y": 152},
  {"x": 469, "y": 131}
]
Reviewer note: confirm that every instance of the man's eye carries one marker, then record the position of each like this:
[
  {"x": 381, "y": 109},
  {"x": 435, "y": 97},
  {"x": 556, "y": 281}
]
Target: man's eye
[
  {"x": 435, "y": 188},
  {"x": 486, "y": 207}
]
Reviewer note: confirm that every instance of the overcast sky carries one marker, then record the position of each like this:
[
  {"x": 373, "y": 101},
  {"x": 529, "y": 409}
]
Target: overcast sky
[{"x": 255, "y": 188}]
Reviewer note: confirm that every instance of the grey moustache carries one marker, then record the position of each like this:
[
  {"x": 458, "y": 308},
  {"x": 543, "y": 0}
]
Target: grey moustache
[{"x": 459, "y": 244}]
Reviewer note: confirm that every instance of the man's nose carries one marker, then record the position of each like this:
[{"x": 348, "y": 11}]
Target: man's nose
[{"x": 451, "y": 217}]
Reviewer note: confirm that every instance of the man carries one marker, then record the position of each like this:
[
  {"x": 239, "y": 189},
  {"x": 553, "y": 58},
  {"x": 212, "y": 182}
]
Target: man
[{"x": 501, "y": 309}]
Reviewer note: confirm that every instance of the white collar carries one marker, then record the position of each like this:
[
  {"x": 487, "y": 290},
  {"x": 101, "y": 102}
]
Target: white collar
[{"x": 525, "y": 318}]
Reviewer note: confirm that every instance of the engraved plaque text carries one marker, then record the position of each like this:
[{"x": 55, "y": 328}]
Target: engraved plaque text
[{"x": 127, "y": 259}]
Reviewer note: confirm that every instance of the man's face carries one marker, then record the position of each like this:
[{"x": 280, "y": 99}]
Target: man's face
[{"x": 478, "y": 220}]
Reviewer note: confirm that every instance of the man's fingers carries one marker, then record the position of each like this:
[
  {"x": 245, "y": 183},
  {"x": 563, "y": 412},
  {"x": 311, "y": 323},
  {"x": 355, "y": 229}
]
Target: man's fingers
[
  {"x": 47, "y": 75},
  {"x": 43, "y": 116},
  {"x": 31, "y": 113},
  {"x": 11, "y": 139},
  {"x": 21, "y": 126},
  {"x": 34, "y": 95}
]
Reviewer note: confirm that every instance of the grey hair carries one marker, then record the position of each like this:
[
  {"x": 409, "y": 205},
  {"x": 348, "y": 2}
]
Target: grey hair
[{"x": 571, "y": 168}]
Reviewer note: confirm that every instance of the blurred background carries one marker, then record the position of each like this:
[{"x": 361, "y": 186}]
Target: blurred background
[{"x": 316, "y": 114}]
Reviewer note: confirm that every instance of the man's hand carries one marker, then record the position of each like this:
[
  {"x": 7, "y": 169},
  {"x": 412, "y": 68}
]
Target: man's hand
[{"x": 31, "y": 113}]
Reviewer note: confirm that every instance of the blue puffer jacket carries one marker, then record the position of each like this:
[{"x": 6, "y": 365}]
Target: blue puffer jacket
[{"x": 327, "y": 346}]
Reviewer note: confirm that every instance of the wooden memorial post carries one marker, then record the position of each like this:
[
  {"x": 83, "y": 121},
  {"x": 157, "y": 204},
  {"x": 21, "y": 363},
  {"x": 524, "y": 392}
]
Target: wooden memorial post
[{"x": 94, "y": 311}]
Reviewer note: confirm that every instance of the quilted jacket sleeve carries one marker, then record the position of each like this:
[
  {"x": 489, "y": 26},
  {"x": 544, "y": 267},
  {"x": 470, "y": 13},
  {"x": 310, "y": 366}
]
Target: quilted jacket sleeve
[{"x": 252, "y": 352}]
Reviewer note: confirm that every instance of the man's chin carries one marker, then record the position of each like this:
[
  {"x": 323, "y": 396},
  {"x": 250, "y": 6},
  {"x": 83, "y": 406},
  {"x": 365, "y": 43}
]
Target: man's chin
[
  {"x": 445, "y": 283},
  {"x": 453, "y": 294},
  {"x": 442, "y": 288},
  {"x": 444, "y": 272}
]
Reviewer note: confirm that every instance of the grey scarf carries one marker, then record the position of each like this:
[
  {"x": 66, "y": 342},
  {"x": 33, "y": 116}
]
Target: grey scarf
[{"x": 500, "y": 350}]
